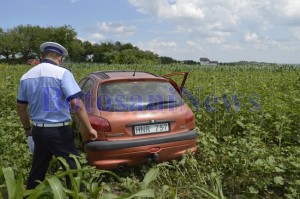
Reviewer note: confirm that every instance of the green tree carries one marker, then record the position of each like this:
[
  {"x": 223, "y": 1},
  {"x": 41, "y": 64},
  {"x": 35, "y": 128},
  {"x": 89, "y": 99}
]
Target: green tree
[
  {"x": 8, "y": 45},
  {"x": 29, "y": 39},
  {"x": 149, "y": 56},
  {"x": 88, "y": 51},
  {"x": 76, "y": 51},
  {"x": 22, "y": 42},
  {"x": 190, "y": 62},
  {"x": 127, "y": 56},
  {"x": 167, "y": 60},
  {"x": 104, "y": 53},
  {"x": 128, "y": 46},
  {"x": 64, "y": 35}
]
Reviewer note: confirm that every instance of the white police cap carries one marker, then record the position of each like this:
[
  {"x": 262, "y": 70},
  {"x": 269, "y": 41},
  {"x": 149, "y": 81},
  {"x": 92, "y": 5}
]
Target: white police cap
[{"x": 55, "y": 47}]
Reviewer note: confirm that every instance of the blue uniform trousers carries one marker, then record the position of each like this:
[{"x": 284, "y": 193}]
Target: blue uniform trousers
[{"x": 49, "y": 141}]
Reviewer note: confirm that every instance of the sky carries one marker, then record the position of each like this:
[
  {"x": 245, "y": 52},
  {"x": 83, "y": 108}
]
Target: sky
[{"x": 220, "y": 30}]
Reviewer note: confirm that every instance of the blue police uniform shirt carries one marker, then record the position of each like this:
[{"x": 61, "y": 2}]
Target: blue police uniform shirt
[{"x": 48, "y": 88}]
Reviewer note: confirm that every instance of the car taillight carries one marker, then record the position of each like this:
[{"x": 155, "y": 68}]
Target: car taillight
[
  {"x": 189, "y": 117},
  {"x": 100, "y": 124}
]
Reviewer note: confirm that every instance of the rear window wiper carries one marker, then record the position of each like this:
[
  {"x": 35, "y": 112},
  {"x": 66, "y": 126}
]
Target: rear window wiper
[{"x": 161, "y": 102}]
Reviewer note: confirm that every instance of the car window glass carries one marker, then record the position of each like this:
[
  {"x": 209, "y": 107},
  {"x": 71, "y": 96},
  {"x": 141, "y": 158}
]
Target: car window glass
[
  {"x": 81, "y": 83},
  {"x": 87, "y": 89},
  {"x": 137, "y": 96},
  {"x": 88, "y": 86}
]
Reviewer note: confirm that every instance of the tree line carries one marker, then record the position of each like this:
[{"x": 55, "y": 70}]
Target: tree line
[{"x": 21, "y": 43}]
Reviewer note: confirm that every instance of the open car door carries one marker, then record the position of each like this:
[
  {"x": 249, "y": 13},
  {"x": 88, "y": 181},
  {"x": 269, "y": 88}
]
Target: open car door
[{"x": 176, "y": 83}]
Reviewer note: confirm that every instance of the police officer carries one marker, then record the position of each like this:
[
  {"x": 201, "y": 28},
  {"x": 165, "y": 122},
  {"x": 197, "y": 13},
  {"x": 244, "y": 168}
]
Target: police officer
[{"x": 51, "y": 93}]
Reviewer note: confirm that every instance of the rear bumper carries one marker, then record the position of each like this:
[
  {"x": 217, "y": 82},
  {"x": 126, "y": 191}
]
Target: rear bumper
[
  {"x": 113, "y": 145},
  {"x": 111, "y": 155}
]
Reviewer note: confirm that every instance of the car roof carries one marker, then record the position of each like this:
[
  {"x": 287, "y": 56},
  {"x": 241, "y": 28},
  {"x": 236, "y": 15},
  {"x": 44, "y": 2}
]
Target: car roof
[{"x": 128, "y": 75}]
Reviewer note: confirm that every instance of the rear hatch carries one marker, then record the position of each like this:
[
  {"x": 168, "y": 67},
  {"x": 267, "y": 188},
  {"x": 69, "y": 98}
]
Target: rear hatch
[{"x": 142, "y": 109}]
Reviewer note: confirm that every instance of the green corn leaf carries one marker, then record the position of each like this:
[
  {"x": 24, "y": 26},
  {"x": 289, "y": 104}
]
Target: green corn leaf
[
  {"x": 143, "y": 193},
  {"x": 253, "y": 190},
  {"x": 164, "y": 190},
  {"x": 208, "y": 192},
  {"x": 10, "y": 181},
  {"x": 64, "y": 162},
  {"x": 174, "y": 192},
  {"x": 95, "y": 189},
  {"x": 218, "y": 188},
  {"x": 43, "y": 190},
  {"x": 57, "y": 188},
  {"x": 109, "y": 196},
  {"x": 14, "y": 184},
  {"x": 19, "y": 186},
  {"x": 82, "y": 196},
  {"x": 150, "y": 176},
  {"x": 78, "y": 166},
  {"x": 40, "y": 193},
  {"x": 278, "y": 180},
  {"x": 74, "y": 185},
  {"x": 241, "y": 124},
  {"x": 99, "y": 172}
]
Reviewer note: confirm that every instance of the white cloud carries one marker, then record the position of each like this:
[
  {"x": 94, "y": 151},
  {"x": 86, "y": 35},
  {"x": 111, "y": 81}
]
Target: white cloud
[
  {"x": 221, "y": 25},
  {"x": 159, "y": 43},
  {"x": 168, "y": 44},
  {"x": 214, "y": 26},
  {"x": 183, "y": 10},
  {"x": 115, "y": 28},
  {"x": 97, "y": 36},
  {"x": 290, "y": 8},
  {"x": 81, "y": 39},
  {"x": 251, "y": 37},
  {"x": 195, "y": 19},
  {"x": 214, "y": 40},
  {"x": 230, "y": 47},
  {"x": 195, "y": 45},
  {"x": 227, "y": 16},
  {"x": 92, "y": 38},
  {"x": 169, "y": 9},
  {"x": 158, "y": 46},
  {"x": 261, "y": 46}
]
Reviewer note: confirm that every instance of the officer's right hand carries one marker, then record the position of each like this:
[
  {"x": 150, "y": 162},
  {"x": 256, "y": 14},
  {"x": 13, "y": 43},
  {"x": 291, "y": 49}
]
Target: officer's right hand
[{"x": 93, "y": 134}]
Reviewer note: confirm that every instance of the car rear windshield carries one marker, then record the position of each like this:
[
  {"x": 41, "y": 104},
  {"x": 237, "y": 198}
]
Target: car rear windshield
[{"x": 137, "y": 96}]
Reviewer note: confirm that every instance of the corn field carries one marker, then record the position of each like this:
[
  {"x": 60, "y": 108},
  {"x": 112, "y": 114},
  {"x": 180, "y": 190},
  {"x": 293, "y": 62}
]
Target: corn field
[{"x": 247, "y": 119}]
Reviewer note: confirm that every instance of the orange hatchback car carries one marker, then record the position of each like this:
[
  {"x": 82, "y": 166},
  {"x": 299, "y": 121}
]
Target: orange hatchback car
[{"x": 140, "y": 117}]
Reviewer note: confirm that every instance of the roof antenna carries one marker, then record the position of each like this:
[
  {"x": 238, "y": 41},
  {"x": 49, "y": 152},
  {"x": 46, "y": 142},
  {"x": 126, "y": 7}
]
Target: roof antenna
[{"x": 134, "y": 71}]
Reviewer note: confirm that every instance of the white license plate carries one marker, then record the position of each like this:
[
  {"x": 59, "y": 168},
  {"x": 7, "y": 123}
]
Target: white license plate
[{"x": 151, "y": 128}]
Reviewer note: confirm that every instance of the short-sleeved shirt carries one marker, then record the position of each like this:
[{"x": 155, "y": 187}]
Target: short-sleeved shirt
[{"x": 48, "y": 88}]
